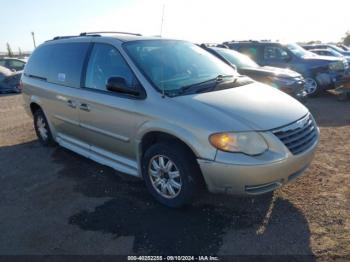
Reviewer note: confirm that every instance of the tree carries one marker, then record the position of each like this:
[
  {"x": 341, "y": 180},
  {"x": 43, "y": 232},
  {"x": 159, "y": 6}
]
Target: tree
[
  {"x": 346, "y": 39},
  {"x": 19, "y": 51},
  {"x": 9, "y": 50}
]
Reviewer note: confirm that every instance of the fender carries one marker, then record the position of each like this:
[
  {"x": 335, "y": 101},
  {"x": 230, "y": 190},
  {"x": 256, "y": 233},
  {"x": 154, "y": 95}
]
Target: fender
[{"x": 200, "y": 146}]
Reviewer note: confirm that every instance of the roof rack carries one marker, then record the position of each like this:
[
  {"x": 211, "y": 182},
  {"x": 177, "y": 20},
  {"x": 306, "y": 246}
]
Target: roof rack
[
  {"x": 63, "y": 37},
  {"x": 93, "y": 34},
  {"x": 213, "y": 45},
  {"x": 108, "y": 32}
]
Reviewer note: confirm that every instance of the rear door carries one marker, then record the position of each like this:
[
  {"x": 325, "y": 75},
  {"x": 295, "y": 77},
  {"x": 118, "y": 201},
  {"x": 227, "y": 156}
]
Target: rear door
[
  {"x": 65, "y": 80},
  {"x": 109, "y": 119},
  {"x": 55, "y": 70}
]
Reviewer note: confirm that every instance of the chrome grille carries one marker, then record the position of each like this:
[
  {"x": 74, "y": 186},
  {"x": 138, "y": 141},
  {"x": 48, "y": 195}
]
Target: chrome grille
[{"x": 299, "y": 136}]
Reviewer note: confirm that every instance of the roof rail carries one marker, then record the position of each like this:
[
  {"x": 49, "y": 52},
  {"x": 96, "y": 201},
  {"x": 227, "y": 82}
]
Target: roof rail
[
  {"x": 64, "y": 37},
  {"x": 204, "y": 45},
  {"x": 108, "y": 32}
]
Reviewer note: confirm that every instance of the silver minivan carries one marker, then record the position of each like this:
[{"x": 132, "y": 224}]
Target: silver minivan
[{"x": 169, "y": 112}]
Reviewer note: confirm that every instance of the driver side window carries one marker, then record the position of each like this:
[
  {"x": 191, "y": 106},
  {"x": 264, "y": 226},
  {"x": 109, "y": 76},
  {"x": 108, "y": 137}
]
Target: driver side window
[
  {"x": 105, "y": 62},
  {"x": 275, "y": 53}
]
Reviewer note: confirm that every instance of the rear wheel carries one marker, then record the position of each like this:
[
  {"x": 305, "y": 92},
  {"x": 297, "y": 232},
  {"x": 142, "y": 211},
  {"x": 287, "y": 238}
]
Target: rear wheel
[
  {"x": 42, "y": 128},
  {"x": 171, "y": 174}
]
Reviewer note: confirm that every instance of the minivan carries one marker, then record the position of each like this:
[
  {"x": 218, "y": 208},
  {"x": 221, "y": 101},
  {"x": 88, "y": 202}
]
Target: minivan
[{"x": 169, "y": 112}]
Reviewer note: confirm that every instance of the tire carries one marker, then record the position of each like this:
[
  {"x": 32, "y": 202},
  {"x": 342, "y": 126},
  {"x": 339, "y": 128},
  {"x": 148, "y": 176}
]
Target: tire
[
  {"x": 312, "y": 87},
  {"x": 184, "y": 171},
  {"x": 42, "y": 129}
]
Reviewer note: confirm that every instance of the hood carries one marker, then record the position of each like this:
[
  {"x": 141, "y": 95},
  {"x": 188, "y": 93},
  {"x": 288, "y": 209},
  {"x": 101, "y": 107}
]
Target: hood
[
  {"x": 319, "y": 58},
  {"x": 271, "y": 71},
  {"x": 255, "y": 106}
]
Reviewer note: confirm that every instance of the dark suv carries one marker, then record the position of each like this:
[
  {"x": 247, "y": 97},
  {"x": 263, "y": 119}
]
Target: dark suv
[{"x": 320, "y": 72}]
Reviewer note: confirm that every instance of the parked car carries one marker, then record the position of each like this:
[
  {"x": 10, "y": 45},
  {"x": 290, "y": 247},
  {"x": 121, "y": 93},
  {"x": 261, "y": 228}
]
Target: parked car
[
  {"x": 320, "y": 72},
  {"x": 330, "y": 52},
  {"x": 327, "y": 46},
  {"x": 285, "y": 80},
  {"x": 13, "y": 64},
  {"x": 344, "y": 47},
  {"x": 169, "y": 112},
  {"x": 9, "y": 81}
]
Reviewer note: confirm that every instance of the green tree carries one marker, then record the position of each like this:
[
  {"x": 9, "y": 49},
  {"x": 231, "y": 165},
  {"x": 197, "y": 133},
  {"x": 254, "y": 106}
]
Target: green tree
[
  {"x": 9, "y": 50},
  {"x": 346, "y": 39}
]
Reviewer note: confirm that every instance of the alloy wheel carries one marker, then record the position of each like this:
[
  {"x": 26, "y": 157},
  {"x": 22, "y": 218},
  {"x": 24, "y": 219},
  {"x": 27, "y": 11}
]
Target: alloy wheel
[{"x": 165, "y": 176}]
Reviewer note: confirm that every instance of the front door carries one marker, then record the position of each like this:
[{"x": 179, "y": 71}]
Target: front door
[
  {"x": 276, "y": 56},
  {"x": 109, "y": 119}
]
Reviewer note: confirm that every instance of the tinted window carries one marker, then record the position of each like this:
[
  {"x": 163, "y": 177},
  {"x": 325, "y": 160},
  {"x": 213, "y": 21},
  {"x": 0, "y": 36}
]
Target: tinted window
[
  {"x": 67, "y": 63},
  {"x": 39, "y": 61},
  {"x": 275, "y": 53},
  {"x": 105, "y": 62},
  {"x": 251, "y": 51}
]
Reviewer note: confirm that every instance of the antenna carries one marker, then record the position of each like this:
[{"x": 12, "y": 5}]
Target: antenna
[{"x": 161, "y": 24}]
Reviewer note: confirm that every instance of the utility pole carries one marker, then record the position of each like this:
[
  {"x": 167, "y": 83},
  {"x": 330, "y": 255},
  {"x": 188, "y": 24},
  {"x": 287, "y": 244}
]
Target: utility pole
[
  {"x": 161, "y": 24},
  {"x": 33, "y": 40}
]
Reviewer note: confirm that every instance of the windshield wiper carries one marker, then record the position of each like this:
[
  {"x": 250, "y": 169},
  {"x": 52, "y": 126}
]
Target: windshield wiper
[{"x": 211, "y": 82}]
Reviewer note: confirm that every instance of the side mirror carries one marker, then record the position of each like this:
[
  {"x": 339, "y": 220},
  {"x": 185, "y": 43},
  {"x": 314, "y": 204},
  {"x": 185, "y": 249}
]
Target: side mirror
[{"x": 118, "y": 84}]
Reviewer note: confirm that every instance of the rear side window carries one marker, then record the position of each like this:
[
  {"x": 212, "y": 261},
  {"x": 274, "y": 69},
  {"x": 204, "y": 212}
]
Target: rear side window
[
  {"x": 39, "y": 62},
  {"x": 67, "y": 63}
]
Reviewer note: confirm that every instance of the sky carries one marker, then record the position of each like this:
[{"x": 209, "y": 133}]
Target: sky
[{"x": 212, "y": 21}]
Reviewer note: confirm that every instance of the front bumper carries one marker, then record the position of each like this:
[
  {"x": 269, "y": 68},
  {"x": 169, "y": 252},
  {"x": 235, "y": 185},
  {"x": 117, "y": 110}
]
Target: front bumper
[
  {"x": 295, "y": 90},
  {"x": 333, "y": 79},
  {"x": 262, "y": 175}
]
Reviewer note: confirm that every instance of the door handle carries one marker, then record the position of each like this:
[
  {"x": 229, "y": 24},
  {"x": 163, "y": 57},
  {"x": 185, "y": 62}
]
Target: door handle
[
  {"x": 84, "y": 107},
  {"x": 72, "y": 104}
]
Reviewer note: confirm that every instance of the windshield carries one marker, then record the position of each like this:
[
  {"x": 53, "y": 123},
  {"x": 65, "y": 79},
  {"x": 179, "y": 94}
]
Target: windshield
[
  {"x": 335, "y": 48},
  {"x": 298, "y": 50},
  {"x": 236, "y": 58},
  {"x": 171, "y": 65},
  {"x": 335, "y": 53}
]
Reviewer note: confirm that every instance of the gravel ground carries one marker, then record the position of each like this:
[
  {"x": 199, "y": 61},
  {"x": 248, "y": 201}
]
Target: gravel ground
[{"x": 56, "y": 202}]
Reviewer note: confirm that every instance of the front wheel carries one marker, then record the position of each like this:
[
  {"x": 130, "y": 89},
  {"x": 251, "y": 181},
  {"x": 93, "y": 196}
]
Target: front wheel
[
  {"x": 171, "y": 174},
  {"x": 311, "y": 86}
]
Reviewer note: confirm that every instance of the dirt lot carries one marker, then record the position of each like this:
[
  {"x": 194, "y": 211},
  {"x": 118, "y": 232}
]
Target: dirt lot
[{"x": 56, "y": 202}]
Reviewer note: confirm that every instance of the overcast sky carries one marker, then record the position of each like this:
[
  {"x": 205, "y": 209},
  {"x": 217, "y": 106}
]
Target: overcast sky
[{"x": 197, "y": 21}]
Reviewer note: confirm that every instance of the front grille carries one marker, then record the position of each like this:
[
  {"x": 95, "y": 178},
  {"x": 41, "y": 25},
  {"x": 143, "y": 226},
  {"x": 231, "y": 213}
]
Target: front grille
[{"x": 299, "y": 136}]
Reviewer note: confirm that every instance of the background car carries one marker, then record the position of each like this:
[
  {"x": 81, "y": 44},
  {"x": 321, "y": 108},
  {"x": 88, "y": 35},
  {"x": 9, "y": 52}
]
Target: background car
[
  {"x": 286, "y": 80},
  {"x": 330, "y": 52},
  {"x": 327, "y": 46},
  {"x": 9, "y": 81},
  {"x": 14, "y": 64},
  {"x": 344, "y": 47},
  {"x": 320, "y": 72}
]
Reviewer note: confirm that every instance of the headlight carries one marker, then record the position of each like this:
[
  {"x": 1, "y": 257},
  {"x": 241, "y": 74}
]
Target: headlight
[
  {"x": 336, "y": 66},
  {"x": 250, "y": 143},
  {"x": 283, "y": 81}
]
